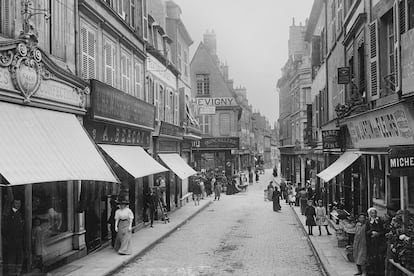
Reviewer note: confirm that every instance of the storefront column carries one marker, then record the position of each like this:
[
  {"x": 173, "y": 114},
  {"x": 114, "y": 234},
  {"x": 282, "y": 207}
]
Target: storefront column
[
  {"x": 79, "y": 229},
  {"x": 28, "y": 224}
]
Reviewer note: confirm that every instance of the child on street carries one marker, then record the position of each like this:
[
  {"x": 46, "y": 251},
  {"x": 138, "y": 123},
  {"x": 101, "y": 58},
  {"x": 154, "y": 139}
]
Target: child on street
[{"x": 310, "y": 214}]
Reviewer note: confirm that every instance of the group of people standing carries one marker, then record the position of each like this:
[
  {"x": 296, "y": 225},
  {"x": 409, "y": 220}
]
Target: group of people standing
[{"x": 204, "y": 184}]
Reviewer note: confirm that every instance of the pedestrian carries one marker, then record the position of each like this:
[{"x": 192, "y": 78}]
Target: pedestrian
[
  {"x": 202, "y": 187},
  {"x": 111, "y": 220},
  {"x": 275, "y": 171},
  {"x": 360, "y": 244},
  {"x": 283, "y": 190},
  {"x": 310, "y": 214},
  {"x": 309, "y": 191},
  {"x": 376, "y": 244},
  {"x": 13, "y": 243},
  {"x": 152, "y": 205},
  {"x": 208, "y": 185},
  {"x": 257, "y": 175},
  {"x": 321, "y": 219},
  {"x": 276, "y": 200},
  {"x": 217, "y": 190},
  {"x": 197, "y": 192},
  {"x": 123, "y": 226},
  {"x": 270, "y": 190},
  {"x": 303, "y": 200},
  {"x": 250, "y": 175}
]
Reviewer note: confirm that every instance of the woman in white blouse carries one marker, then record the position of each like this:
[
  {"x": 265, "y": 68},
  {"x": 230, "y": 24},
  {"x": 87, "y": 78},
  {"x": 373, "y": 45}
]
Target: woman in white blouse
[{"x": 123, "y": 227}]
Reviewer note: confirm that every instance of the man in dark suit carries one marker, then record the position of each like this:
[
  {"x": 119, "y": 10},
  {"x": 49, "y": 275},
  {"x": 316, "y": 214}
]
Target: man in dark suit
[{"x": 13, "y": 234}]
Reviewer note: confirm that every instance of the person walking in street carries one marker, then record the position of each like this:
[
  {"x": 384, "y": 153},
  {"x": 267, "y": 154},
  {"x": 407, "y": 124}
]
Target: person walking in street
[
  {"x": 276, "y": 200},
  {"x": 152, "y": 205},
  {"x": 309, "y": 191},
  {"x": 197, "y": 192},
  {"x": 376, "y": 244},
  {"x": 217, "y": 190},
  {"x": 310, "y": 214},
  {"x": 360, "y": 244},
  {"x": 250, "y": 175},
  {"x": 291, "y": 196},
  {"x": 303, "y": 200},
  {"x": 202, "y": 187},
  {"x": 123, "y": 226},
  {"x": 111, "y": 220},
  {"x": 257, "y": 175},
  {"x": 321, "y": 219},
  {"x": 274, "y": 171},
  {"x": 270, "y": 189}
]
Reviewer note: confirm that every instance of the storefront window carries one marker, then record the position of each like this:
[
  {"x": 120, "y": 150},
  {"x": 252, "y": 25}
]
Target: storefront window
[
  {"x": 411, "y": 191},
  {"x": 377, "y": 177},
  {"x": 50, "y": 208}
]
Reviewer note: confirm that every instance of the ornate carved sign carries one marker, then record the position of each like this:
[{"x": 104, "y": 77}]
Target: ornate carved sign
[{"x": 23, "y": 70}]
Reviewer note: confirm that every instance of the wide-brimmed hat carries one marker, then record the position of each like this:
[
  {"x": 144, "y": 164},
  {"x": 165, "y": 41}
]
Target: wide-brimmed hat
[{"x": 124, "y": 201}]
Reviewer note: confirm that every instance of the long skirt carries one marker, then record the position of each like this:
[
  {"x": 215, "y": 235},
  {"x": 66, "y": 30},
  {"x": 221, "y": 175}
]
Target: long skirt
[
  {"x": 123, "y": 238},
  {"x": 276, "y": 205},
  {"x": 303, "y": 205}
]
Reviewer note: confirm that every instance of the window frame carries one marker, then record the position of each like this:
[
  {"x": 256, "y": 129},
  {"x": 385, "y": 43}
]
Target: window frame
[
  {"x": 109, "y": 40},
  {"x": 203, "y": 85},
  {"x": 126, "y": 88}
]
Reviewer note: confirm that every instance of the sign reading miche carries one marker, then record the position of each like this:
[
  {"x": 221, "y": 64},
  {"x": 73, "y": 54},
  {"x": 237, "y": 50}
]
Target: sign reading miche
[
  {"x": 401, "y": 160},
  {"x": 330, "y": 139},
  {"x": 220, "y": 142},
  {"x": 113, "y": 104},
  {"x": 104, "y": 133}
]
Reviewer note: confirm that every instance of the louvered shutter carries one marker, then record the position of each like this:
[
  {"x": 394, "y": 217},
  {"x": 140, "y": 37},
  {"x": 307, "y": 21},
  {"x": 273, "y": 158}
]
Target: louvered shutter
[
  {"x": 403, "y": 16},
  {"x": 145, "y": 19},
  {"x": 176, "y": 109},
  {"x": 128, "y": 75},
  {"x": 123, "y": 73},
  {"x": 374, "y": 66},
  {"x": 138, "y": 80},
  {"x": 397, "y": 52},
  {"x": 157, "y": 101},
  {"x": 5, "y": 17},
  {"x": 109, "y": 58},
  {"x": 88, "y": 59},
  {"x": 91, "y": 54}
]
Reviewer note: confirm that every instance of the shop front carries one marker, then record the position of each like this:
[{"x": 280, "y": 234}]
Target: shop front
[
  {"x": 168, "y": 139},
  {"x": 45, "y": 155},
  {"x": 121, "y": 126},
  {"x": 217, "y": 154}
]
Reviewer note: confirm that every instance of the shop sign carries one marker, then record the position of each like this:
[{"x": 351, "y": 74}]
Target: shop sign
[
  {"x": 206, "y": 110},
  {"x": 330, "y": 139},
  {"x": 216, "y": 102},
  {"x": 159, "y": 70},
  {"x": 23, "y": 70},
  {"x": 103, "y": 133},
  {"x": 220, "y": 142},
  {"x": 407, "y": 61},
  {"x": 382, "y": 127},
  {"x": 401, "y": 159},
  {"x": 113, "y": 104},
  {"x": 171, "y": 130},
  {"x": 168, "y": 146}
]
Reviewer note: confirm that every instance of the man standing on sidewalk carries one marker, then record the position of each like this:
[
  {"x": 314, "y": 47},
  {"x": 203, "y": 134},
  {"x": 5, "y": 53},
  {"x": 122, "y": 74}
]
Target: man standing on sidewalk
[{"x": 152, "y": 205}]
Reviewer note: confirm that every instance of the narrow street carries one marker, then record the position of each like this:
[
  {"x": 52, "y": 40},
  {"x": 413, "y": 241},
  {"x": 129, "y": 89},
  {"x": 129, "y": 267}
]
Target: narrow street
[{"x": 238, "y": 235}]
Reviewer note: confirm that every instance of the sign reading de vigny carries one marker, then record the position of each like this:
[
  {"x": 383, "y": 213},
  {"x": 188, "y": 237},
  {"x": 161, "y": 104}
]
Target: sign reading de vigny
[{"x": 24, "y": 71}]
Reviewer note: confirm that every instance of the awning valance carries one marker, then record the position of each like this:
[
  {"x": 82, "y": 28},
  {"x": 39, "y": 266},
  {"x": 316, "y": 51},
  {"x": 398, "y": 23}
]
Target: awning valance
[
  {"x": 343, "y": 162},
  {"x": 134, "y": 160},
  {"x": 38, "y": 145},
  {"x": 177, "y": 165}
]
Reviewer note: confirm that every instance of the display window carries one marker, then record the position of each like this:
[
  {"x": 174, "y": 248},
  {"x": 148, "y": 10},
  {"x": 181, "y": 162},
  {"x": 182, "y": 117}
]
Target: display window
[{"x": 377, "y": 175}]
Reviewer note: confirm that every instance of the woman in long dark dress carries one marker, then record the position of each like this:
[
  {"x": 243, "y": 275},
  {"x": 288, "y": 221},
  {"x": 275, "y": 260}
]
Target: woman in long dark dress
[
  {"x": 310, "y": 214},
  {"x": 376, "y": 244},
  {"x": 276, "y": 200}
]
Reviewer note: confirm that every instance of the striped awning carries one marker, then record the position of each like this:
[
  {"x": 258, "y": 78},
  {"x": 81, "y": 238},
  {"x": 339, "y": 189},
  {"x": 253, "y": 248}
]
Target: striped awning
[{"x": 39, "y": 145}]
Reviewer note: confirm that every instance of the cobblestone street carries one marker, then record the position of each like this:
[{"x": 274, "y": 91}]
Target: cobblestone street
[{"x": 238, "y": 235}]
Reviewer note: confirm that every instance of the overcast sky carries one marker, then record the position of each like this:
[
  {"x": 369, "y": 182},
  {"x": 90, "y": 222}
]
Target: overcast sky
[{"x": 252, "y": 36}]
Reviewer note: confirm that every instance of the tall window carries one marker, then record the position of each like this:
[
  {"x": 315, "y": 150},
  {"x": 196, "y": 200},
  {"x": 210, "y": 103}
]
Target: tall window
[
  {"x": 161, "y": 103},
  {"x": 126, "y": 72},
  {"x": 203, "y": 84},
  {"x": 176, "y": 110},
  {"x": 110, "y": 62},
  {"x": 205, "y": 123},
  {"x": 138, "y": 74},
  {"x": 225, "y": 124},
  {"x": 390, "y": 47},
  {"x": 88, "y": 47},
  {"x": 144, "y": 19}
]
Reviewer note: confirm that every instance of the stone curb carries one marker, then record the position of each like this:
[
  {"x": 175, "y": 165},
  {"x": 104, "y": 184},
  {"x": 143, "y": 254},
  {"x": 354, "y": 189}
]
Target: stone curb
[
  {"x": 319, "y": 256},
  {"x": 155, "y": 242}
]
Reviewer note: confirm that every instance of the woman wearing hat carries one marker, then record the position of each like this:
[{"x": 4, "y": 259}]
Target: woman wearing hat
[
  {"x": 376, "y": 244},
  {"x": 123, "y": 227}
]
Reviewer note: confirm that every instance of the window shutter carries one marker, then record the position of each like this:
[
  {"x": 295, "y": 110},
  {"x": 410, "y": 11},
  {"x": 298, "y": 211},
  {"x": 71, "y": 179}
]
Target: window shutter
[
  {"x": 123, "y": 72},
  {"x": 403, "y": 16},
  {"x": 109, "y": 58},
  {"x": 144, "y": 19},
  {"x": 91, "y": 54},
  {"x": 397, "y": 52},
  {"x": 156, "y": 101},
  {"x": 176, "y": 110},
  {"x": 128, "y": 76},
  {"x": 138, "y": 80},
  {"x": 5, "y": 17},
  {"x": 374, "y": 70},
  {"x": 84, "y": 48}
]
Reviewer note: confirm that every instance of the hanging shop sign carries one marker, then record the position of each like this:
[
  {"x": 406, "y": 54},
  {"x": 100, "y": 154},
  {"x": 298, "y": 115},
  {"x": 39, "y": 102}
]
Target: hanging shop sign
[
  {"x": 104, "y": 133},
  {"x": 344, "y": 75},
  {"x": 401, "y": 160},
  {"x": 331, "y": 139},
  {"x": 220, "y": 143},
  {"x": 381, "y": 127},
  {"x": 407, "y": 61},
  {"x": 171, "y": 130},
  {"x": 215, "y": 101},
  {"x": 114, "y": 105},
  {"x": 25, "y": 71}
]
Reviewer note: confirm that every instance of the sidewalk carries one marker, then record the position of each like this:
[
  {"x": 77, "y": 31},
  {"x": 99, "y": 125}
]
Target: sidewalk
[
  {"x": 106, "y": 261},
  {"x": 327, "y": 250}
]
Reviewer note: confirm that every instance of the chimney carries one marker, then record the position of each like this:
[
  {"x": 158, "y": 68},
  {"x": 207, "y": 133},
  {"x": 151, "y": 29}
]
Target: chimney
[
  {"x": 210, "y": 42},
  {"x": 293, "y": 21},
  {"x": 225, "y": 71}
]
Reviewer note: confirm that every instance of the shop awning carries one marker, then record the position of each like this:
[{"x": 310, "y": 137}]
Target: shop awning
[
  {"x": 134, "y": 160},
  {"x": 177, "y": 165},
  {"x": 38, "y": 145},
  {"x": 343, "y": 162}
]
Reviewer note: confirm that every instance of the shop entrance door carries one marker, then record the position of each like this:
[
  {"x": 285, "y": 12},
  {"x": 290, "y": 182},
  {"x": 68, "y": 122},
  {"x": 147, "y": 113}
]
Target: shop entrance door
[{"x": 91, "y": 201}]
